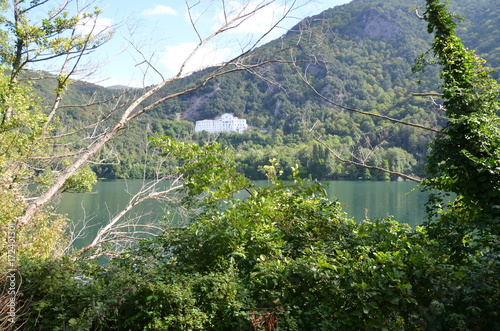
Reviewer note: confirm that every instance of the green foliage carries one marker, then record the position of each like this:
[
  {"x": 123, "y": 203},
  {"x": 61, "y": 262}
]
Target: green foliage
[
  {"x": 30, "y": 157},
  {"x": 81, "y": 181},
  {"x": 28, "y": 41},
  {"x": 19, "y": 132},
  {"x": 206, "y": 169},
  {"x": 465, "y": 158},
  {"x": 284, "y": 256},
  {"x": 19, "y": 143},
  {"x": 43, "y": 239}
]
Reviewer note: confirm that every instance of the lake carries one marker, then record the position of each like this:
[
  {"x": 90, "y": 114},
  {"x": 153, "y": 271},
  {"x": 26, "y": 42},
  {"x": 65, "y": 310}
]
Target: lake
[{"x": 360, "y": 199}]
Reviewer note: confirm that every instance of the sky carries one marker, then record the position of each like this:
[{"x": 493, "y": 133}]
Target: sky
[{"x": 160, "y": 32}]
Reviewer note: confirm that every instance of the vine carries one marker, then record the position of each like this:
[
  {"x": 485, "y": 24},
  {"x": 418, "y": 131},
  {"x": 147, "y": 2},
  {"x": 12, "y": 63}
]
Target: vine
[{"x": 465, "y": 159}]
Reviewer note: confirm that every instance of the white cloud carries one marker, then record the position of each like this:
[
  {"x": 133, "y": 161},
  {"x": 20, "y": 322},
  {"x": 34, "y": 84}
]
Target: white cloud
[
  {"x": 252, "y": 25},
  {"x": 174, "y": 56},
  {"x": 259, "y": 22},
  {"x": 94, "y": 26},
  {"x": 159, "y": 10}
]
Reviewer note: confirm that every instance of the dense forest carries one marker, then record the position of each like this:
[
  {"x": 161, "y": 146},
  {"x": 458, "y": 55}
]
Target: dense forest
[{"x": 361, "y": 58}]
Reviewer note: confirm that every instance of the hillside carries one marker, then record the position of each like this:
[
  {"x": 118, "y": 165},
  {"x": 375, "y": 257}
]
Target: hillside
[{"x": 361, "y": 57}]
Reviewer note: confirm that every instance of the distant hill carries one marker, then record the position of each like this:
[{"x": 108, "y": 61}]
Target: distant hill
[{"x": 363, "y": 60}]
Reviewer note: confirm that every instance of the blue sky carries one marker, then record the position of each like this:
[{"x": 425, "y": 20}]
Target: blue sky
[{"x": 160, "y": 31}]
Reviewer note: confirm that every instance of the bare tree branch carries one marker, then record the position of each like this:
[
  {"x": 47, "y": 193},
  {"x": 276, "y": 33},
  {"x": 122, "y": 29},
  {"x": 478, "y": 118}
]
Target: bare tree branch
[
  {"x": 337, "y": 155},
  {"x": 144, "y": 194},
  {"x": 427, "y": 94},
  {"x": 364, "y": 112}
]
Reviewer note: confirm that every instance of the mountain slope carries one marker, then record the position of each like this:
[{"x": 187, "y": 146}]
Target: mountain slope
[{"x": 361, "y": 56}]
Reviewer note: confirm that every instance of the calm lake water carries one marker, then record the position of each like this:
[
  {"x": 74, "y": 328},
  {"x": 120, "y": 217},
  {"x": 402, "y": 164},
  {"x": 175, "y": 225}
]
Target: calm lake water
[{"x": 359, "y": 199}]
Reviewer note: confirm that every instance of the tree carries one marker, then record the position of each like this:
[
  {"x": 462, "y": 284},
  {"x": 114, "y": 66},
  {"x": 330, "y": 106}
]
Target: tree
[
  {"x": 30, "y": 136},
  {"x": 465, "y": 157},
  {"x": 465, "y": 160}
]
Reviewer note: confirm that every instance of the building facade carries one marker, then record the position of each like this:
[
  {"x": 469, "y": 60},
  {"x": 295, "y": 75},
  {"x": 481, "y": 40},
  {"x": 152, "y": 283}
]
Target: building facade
[{"x": 226, "y": 123}]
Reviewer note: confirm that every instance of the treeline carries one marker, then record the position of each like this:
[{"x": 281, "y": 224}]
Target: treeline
[{"x": 253, "y": 150}]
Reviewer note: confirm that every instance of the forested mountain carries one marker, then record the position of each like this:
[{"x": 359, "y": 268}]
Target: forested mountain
[{"x": 359, "y": 55}]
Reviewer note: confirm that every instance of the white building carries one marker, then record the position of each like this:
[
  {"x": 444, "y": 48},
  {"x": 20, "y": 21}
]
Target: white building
[{"x": 226, "y": 123}]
